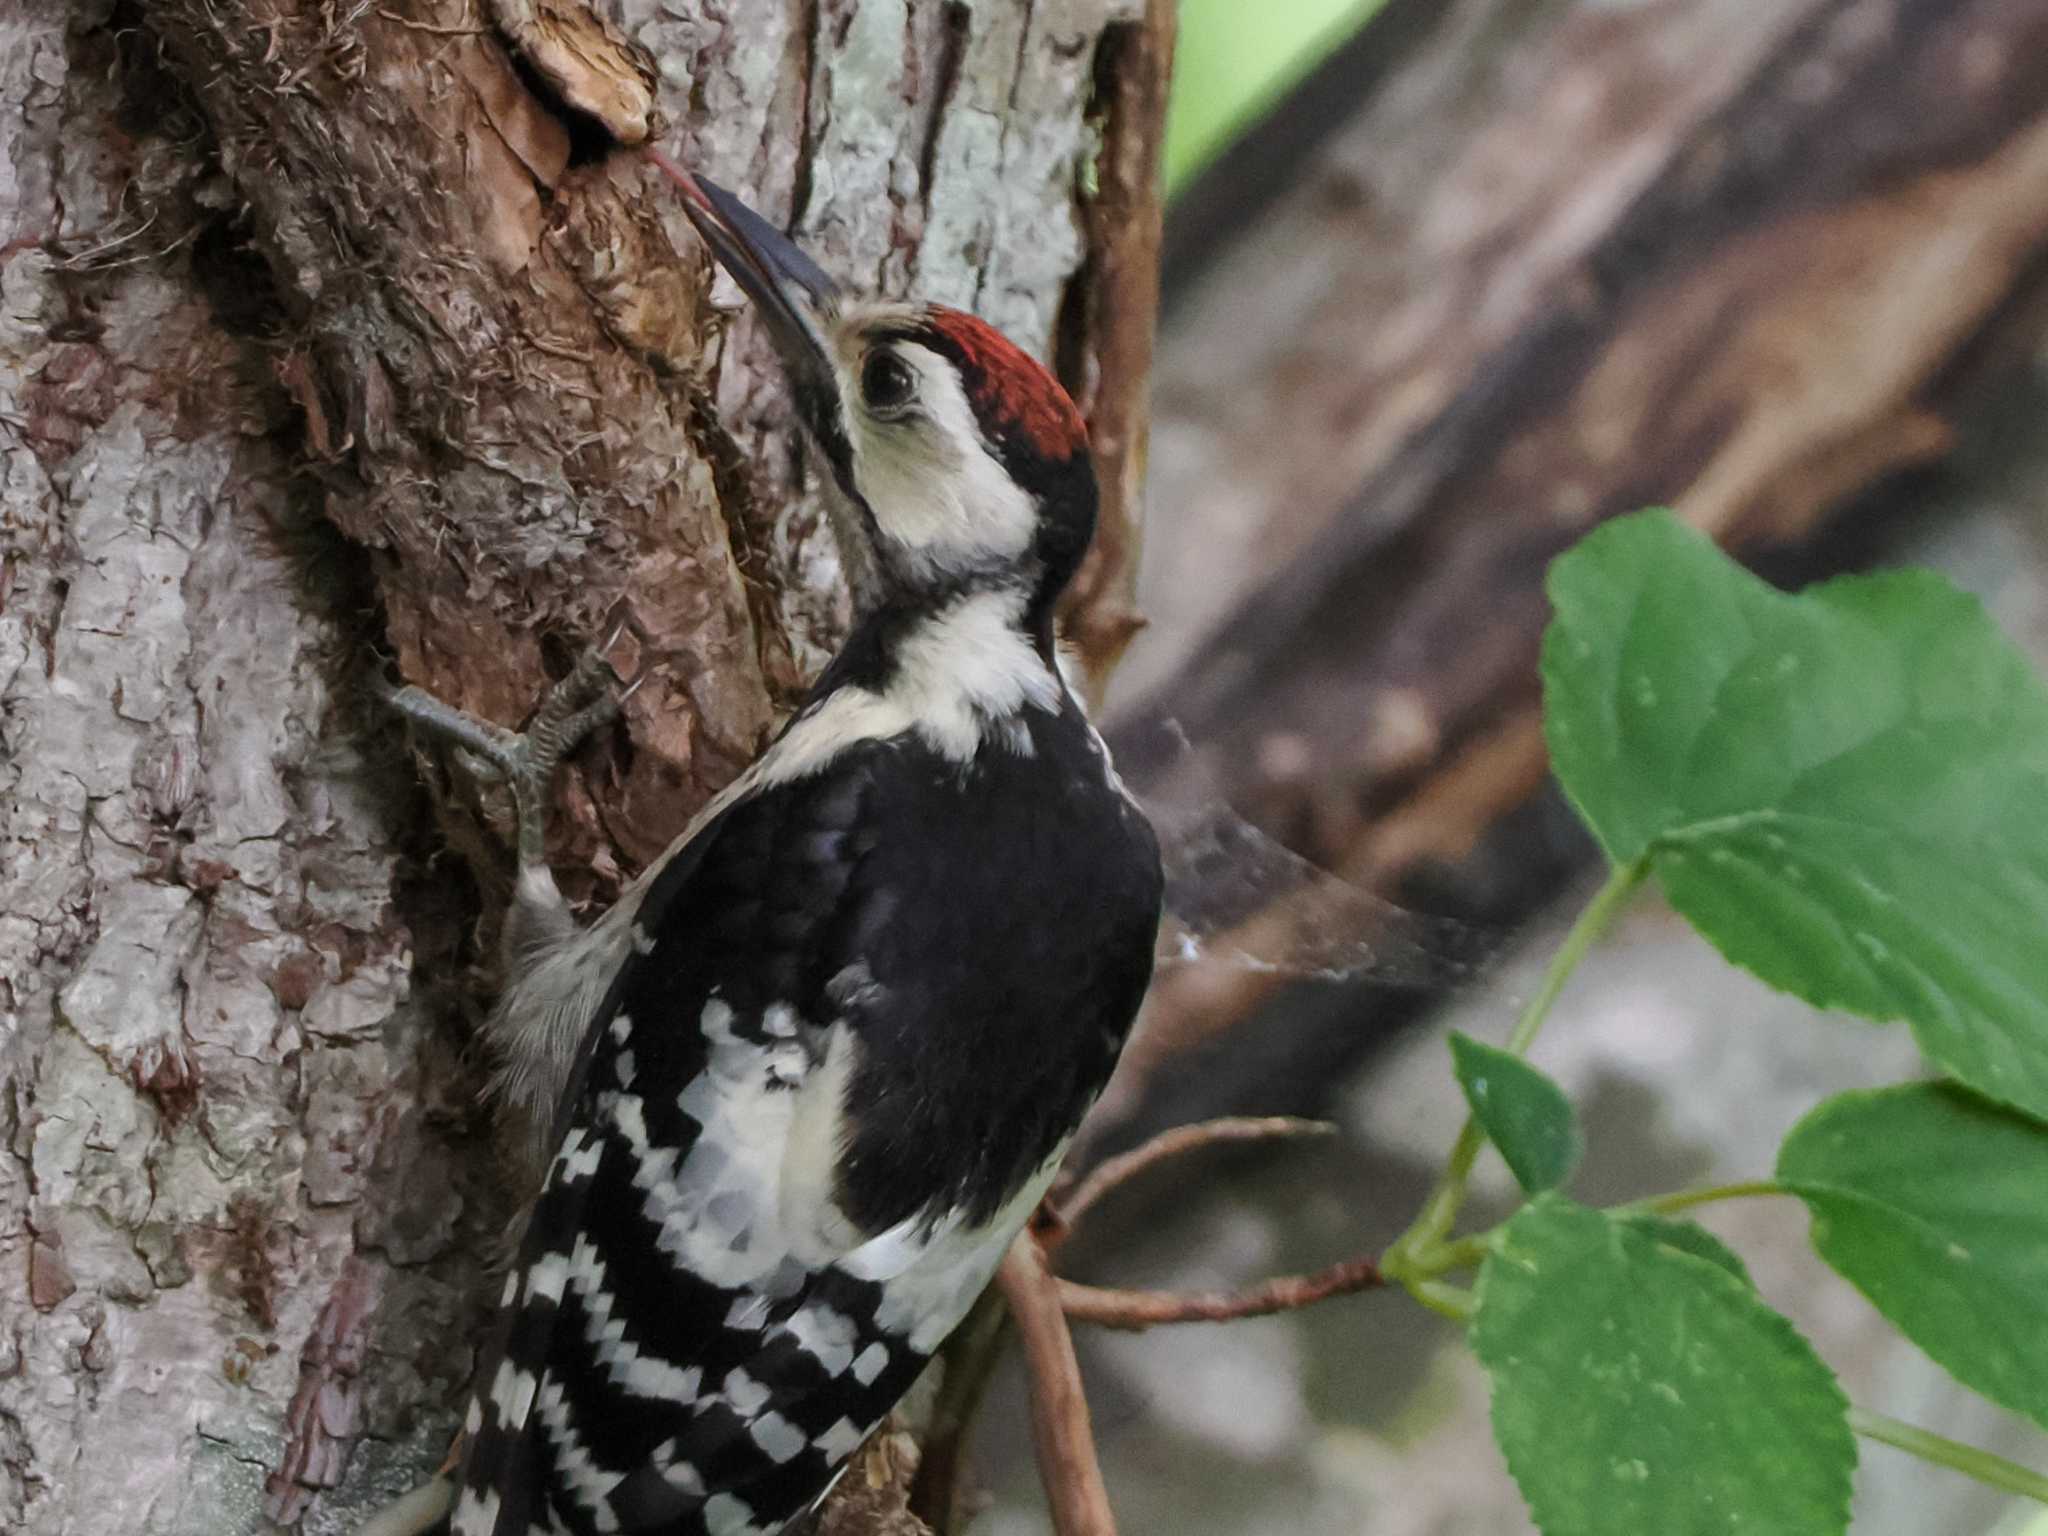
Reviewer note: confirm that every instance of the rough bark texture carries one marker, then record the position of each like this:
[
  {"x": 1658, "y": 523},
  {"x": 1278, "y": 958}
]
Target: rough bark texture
[
  {"x": 1567, "y": 262},
  {"x": 337, "y": 337}
]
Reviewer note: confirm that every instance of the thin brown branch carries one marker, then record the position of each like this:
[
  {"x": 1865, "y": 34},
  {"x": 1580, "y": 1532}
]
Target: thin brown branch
[
  {"x": 1150, "y": 1309},
  {"x": 1114, "y": 1171},
  {"x": 1059, "y": 1408}
]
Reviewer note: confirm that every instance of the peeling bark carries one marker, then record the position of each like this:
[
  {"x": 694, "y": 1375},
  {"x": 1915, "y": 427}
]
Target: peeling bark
[{"x": 338, "y": 338}]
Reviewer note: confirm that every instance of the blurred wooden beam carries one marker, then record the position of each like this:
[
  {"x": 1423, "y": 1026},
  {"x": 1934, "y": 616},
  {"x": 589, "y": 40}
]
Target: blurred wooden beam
[
  {"x": 1570, "y": 262},
  {"x": 1240, "y": 186}
]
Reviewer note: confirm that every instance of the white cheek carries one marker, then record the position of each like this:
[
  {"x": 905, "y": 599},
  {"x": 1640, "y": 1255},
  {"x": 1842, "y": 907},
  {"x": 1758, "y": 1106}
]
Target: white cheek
[{"x": 933, "y": 486}]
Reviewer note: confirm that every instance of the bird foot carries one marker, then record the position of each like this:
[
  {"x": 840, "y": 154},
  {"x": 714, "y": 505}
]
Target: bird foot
[{"x": 525, "y": 762}]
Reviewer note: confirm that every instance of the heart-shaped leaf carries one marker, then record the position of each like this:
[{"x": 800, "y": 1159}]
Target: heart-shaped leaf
[
  {"x": 1639, "y": 1388},
  {"x": 1845, "y": 791},
  {"x": 1934, "y": 1204}
]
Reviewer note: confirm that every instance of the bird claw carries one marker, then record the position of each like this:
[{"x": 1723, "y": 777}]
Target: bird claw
[{"x": 588, "y": 699}]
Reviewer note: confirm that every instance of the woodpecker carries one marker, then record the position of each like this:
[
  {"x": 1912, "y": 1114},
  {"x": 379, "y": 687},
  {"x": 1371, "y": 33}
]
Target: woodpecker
[{"x": 819, "y": 1064}]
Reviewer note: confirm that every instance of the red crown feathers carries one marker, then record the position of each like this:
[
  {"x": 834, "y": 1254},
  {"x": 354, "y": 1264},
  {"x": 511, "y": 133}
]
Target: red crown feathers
[{"x": 1011, "y": 391}]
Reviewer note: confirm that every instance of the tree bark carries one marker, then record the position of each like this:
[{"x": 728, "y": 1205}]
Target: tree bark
[{"x": 339, "y": 338}]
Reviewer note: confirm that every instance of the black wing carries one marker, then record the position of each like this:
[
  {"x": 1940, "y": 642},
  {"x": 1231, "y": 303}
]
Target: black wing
[{"x": 806, "y": 1107}]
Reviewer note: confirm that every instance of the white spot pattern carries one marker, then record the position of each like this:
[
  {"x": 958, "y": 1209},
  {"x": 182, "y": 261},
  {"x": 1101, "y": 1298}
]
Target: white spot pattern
[
  {"x": 728, "y": 1515},
  {"x": 778, "y": 1438},
  {"x": 826, "y": 1334},
  {"x": 842, "y": 1439},
  {"x": 575, "y": 1468},
  {"x": 869, "y": 1363},
  {"x": 475, "y": 1512},
  {"x": 512, "y": 1394},
  {"x": 546, "y": 1278},
  {"x": 746, "y": 1395}
]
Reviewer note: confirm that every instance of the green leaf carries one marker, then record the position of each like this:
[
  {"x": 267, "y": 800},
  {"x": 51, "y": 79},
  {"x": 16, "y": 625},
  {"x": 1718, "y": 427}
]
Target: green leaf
[
  {"x": 1934, "y": 1204},
  {"x": 1637, "y": 1388},
  {"x": 1845, "y": 791},
  {"x": 1689, "y": 1237},
  {"x": 1523, "y": 1113}
]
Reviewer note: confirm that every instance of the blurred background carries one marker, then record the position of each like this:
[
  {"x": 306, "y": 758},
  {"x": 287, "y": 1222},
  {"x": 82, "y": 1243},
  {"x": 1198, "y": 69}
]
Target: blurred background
[{"x": 1447, "y": 284}]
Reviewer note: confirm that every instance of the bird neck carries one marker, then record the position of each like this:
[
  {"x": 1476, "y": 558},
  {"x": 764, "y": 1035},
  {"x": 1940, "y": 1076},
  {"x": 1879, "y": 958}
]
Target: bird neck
[{"x": 973, "y": 652}]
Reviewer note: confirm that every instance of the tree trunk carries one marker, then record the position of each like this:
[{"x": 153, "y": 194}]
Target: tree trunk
[{"x": 339, "y": 338}]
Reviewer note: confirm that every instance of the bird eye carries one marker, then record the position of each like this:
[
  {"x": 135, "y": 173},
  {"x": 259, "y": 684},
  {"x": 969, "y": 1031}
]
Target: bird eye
[{"x": 886, "y": 382}]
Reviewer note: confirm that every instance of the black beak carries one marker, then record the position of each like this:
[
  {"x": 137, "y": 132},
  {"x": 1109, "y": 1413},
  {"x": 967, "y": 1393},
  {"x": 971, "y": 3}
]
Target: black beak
[{"x": 790, "y": 290}]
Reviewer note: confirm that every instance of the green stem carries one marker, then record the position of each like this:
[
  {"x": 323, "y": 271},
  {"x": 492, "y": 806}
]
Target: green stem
[
  {"x": 1413, "y": 1252},
  {"x": 1600, "y": 912},
  {"x": 1466, "y": 1252},
  {"x": 1993, "y": 1471},
  {"x": 1686, "y": 1199},
  {"x": 1452, "y": 1301}
]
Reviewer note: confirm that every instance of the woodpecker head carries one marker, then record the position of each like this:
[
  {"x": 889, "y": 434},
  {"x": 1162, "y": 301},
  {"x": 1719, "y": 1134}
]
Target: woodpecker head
[{"x": 959, "y": 460}]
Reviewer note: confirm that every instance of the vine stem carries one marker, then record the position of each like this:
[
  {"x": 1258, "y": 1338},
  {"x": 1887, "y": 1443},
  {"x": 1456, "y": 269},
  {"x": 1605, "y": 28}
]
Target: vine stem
[
  {"x": 1411, "y": 1256},
  {"x": 1469, "y": 1251},
  {"x": 1686, "y": 1199},
  {"x": 1993, "y": 1471},
  {"x": 1450, "y": 1301},
  {"x": 1600, "y": 913}
]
